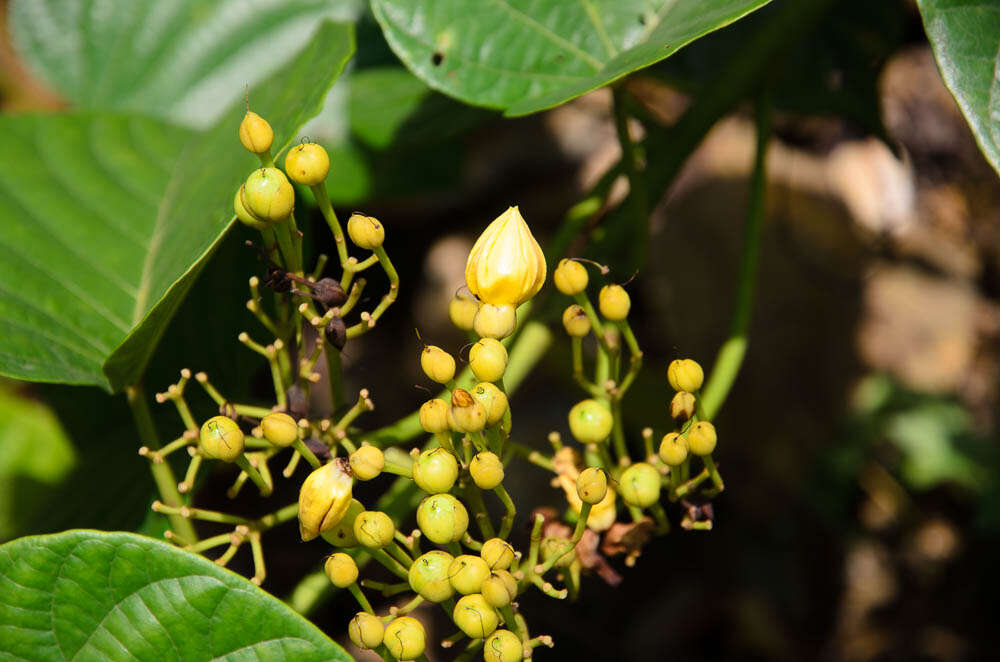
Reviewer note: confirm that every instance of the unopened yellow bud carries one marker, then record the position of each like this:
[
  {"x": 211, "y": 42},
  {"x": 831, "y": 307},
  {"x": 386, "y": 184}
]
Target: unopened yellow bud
[
  {"x": 462, "y": 310},
  {"x": 405, "y": 638},
  {"x": 221, "y": 439},
  {"x": 374, "y": 529},
  {"x": 434, "y": 416},
  {"x": 685, "y": 375},
  {"x": 493, "y": 321},
  {"x": 570, "y": 277},
  {"x": 488, "y": 359},
  {"x": 255, "y": 133},
  {"x": 592, "y": 485},
  {"x": 307, "y": 164},
  {"x": 503, "y": 646},
  {"x": 673, "y": 449},
  {"x": 243, "y": 214},
  {"x": 493, "y": 400},
  {"x": 268, "y": 195},
  {"x": 324, "y": 499},
  {"x": 367, "y": 462},
  {"x": 365, "y": 231},
  {"x": 280, "y": 429},
  {"x": 682, "y": 406},
  {"x": 437, "y": 364},
  {"x": 639, "y": 485},
  {"x": 341, "y": 570},
  {"x": 575, "y": 321},
  {"x": 467, "y": 414},
  {"x": 486, "y": 470},
  {"x": 366, "y": 630},
  {"x": 498, "y": 553},
  {"x": 614, "y": 302},
  {"x": 506, "y": 266},
  {"x": 701, "y": 438}
]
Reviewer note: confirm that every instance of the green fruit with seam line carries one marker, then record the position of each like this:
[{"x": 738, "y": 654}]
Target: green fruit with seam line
[
  {"x": 435, "y": 470},
  {"x": 428, "y": 576},
  {"x": 590, "y": 421},
  {"x": 442, "y": 518}
]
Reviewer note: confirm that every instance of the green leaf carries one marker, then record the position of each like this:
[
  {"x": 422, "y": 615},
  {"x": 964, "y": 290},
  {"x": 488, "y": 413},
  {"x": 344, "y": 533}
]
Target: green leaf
[
  {"x": 106, "y": 219},
  {"x": 86, "y": 595},
  {"x": 184, "y": 60},
  {"x": 965, "y": 37},
  {"x": 523, "y": 56}
]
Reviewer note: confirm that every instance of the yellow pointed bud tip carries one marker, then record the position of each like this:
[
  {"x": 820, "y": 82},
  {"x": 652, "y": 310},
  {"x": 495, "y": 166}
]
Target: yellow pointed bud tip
[
  {"x": 324, "y": 499},
  {"x": 365, "y": 231},
  {"x": 506, "y": 266},
  {"x": 255, "y": 133},
  {"x": 307, "y": 164}
]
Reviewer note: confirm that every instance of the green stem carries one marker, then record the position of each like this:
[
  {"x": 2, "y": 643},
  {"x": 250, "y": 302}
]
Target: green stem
[
  {"x": 730, "y": 357},
  {"x": 243, "y": 463},
  {"x": 323, "y": 200},
  {"x": 163, "y": 475}
]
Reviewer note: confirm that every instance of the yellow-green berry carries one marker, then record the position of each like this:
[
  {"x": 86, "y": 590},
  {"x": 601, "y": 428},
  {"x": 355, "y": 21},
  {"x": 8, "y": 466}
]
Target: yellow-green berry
[
  {"x": 442, "y": 518},
  {"x": 475, "y": 617},
  {"x": 435, "y": 470},
  {"x": 428, "y": 576},
  {"x": 341, "y": 569},
  {"x": 307, "y": 164},
  {"x": 494, "y": 321},
  {"x": 590, "y": 421},
  {"x": 498, "y": 553},
  {"x": 614, "y": 303},
  {"x": 467, "y": 573},
  {"x": 221, "y": 439},
  {"x": 365, "y": 231},
  {"x": 487, "y": 470},
  {"x": 701, "y": 438},
  {"x": 405, "y": 638},
  {"x": 268, "y": 195},
  {"x": 255, "y": 133},
  {"x": 341, "y": 534},
  {"x": 467, "y": 414},
  {"x": 639, "y": 485},
  {"x": 434, "y": 416},
  {"x": 508, "y": 581},
  {"x": 437, "y": 364},
  {"x": 685, "y": 375},
  {"x": 592, "y": 485},
  {"x": 493, "y": 400},
  {"x": 462, "y": 310},
  {"x": 374, "y": 529},
  {"x": 682, "y": 406},
  {"x": 366, "y": 630},
  {"x": 280, "y": 429},
  {"x": 575, "y": 321},
  {"x": 324, "y": 499},
  {"x": 488, "y": 359},
  {"x": 244, "y": 214},
  {"x": 367, "y": 462},
  {"x": 503, "y": 646},
  {"x": 495, "y": 592},
  {"x": 570, "y": 277},
  {"x": 673, "y": 449}
]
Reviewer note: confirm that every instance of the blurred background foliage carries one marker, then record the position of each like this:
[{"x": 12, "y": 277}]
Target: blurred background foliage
[{"x": 862, "y": 515}]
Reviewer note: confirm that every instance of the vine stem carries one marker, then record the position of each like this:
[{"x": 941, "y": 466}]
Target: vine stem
[
  {"x": 163, "y": 475},
  {"x": 731, "y": 354}
]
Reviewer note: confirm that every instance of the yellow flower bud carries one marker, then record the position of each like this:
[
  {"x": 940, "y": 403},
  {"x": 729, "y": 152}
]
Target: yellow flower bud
[
  {"x": 475, "y": 617},
  {"x": 374, "y": 529},
  {"x": 341, "y": 570},
  {"x": 486, "y": 470},
  {"x": 255, "y": 133},
  {"x": 221, "y": 439},
  {"x": 685, "y": 375},
  {"x": 366, "y": 630},
  {"x": 437, "y": 364},
  {"x": 467, "y": 414},
  {"x": 307, "y": 164},
  {"x": 245, "y": 216},
  {"x": 493, "y": 400},
  {"x": 268, "y": 195},
  {"x": 575, "y": 321},
  {"x": 488, "y": 360},
  {"x": 498, "y": 553},
  {"x": 639, "y": 485},
  {"x": 506, "y": 266},
  {"x": 570, "y": 277},
  {"x": 405, "y": 638},
  {"x": 495, "y": 591},
  {"x": 503, "y": 646},
  {"x": 280, "y": 429},
  {"x": 682, "y": 406},
  {"x": 701, "y": 438},
  {"x": 592, "y": 485},
  {"x": 673, "y": 449},
  {"x": 324, "y": 499},
  {"x": 367, "y": 462},
  {"x": 365, "y": 231},
  {"x": 434, "y": 416},
  {"x": 462, "y": 310},
  {"x": 494, "y": 321},
  {"x": 614, "y": 302}
]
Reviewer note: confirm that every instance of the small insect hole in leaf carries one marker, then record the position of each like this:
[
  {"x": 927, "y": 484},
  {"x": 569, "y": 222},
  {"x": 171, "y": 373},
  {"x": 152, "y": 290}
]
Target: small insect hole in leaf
[{"x": 437, "y": 58}]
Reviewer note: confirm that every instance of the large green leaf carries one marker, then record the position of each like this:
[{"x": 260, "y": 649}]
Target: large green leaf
[
  {"x": 106, "y": 219},
  {"x": 528, "y": 55},
  {"x": 183, "y": 60},
  {"x": 965, "y": 36},
  {"x": 86, "y": 595}
]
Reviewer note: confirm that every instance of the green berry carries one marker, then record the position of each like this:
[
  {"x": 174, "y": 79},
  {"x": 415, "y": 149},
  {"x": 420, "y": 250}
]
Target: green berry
[
  {"x": 280, "y": 429},
  {"x": 590, "y": 421},
  {"x": 434, "y": 416},
  {"x": 429, "y": 576},
  {"x": 437, "y": 364},
  {"x": 244, "y": 214},
  {"x": 255, "y": 133},
  {"x": 493, "y": 400},
  {"x": 495, "y": 321},
  {"x": 268, "y": 195},
  {"x": 467, "y": 414},
  {"x": 614, "y": 303},
  {"x": 467, "y": 573},
  {"x": 442, "y": 518},
  {"x": 366, "y": 630},
  {"x": 570, "y": 277},
  {"x": 342, "y": 533},
  {"x": 435, "y": 471},
  {"x": 503, "y": 646},
  {"x": 221, "y": 439},
  {"x": 673, "y": 449},
  {"x": 557, "y": 547},
  {"x": 575, "y": 321},
  {"x": 367, "y": 462},
  {"x": 685, "y": 375},
  {"x": 405, "y": 638},
  {"x": 592, "y": 485},
  {"x": 682, "y": 406},
  {"x": 701, "y": 438},
  {"x": 487, "y": 470},
  {"x": 365, "y": 231},
  {"x": 475, "y": 617},
  {"x": 639, "y": 485},
  {"x": 374, "y": 529},
  {"x": 498, "y": 553},
  {"x": 488, "y": 359},
  {"x": 341, "y": 569},
  {"x": 494, "y": 590},
  {"x": 307, "y": 164}
]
